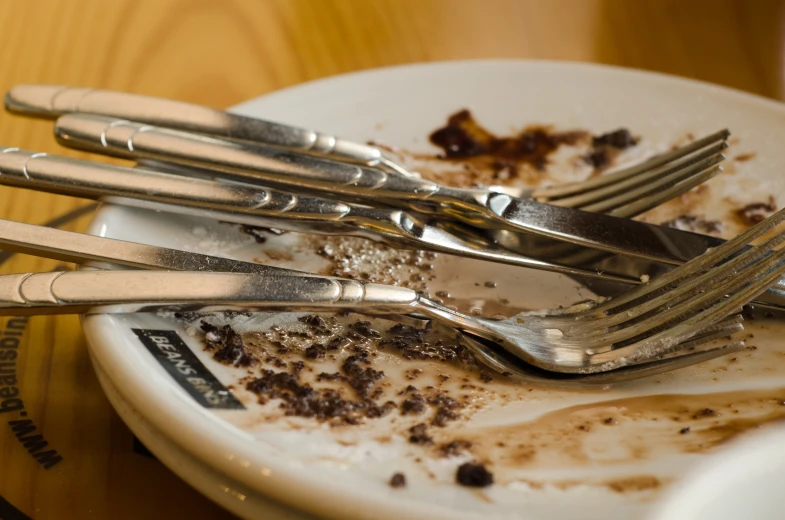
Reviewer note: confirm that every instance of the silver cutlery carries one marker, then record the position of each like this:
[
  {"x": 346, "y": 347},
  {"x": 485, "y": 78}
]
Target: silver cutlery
[
  {"x": 300, "y": 173},
  {"x": 671, "y": 319},
  {"x": 607, "y": 193},
  {"x": 80, "y": 248},
  {"x": 87, "y": 249},
  {"x": 269, "y": 208},
  {"x": 50, "y": 101}
]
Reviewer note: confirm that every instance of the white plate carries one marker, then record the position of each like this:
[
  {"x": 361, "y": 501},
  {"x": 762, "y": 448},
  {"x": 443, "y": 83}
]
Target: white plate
[{"x": 561, "y": 458}]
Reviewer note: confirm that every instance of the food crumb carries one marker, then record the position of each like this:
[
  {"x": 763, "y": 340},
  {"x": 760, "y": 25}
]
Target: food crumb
[
  {"x": 645, "y": 278},
  {"x": 743, "y": 157},
  {"x": 398, "y": 480},
  {"x": 455, "y": 448},
  {"x": 756, "y": 212},
  {"x": 706, "y": 412},
  {"x": 419, "y": 435},
  {"x": 473, "y": 475},
  {"x": 684, "y": 430}
]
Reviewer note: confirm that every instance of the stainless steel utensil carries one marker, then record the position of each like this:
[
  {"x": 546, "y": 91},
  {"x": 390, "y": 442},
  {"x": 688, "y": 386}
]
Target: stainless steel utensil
[
  {"x": 263, "y": 207},
  {"x": 301, "y": 173},
  {"x": 674, "y": 315},
  {"x": 112, "y": 253},
  {"x": 51, "y": 101}
]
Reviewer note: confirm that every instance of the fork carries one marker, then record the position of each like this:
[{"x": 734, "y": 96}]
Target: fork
[
  {"x": 261, "y": 207},
  {"x": 615, "y": 193},
  {"x": 670, "y": 320},
  {"x": 112, "y": 253}
]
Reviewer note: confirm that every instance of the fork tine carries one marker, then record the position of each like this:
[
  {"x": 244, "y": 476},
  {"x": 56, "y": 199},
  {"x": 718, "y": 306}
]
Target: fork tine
[
  {"x": 666, "y": 341},
  {"x": 702, "y": 262},
  {"x": 647, "y": 177},
  {"x": 626, "y": 196},
  {"x": 669, "y": 364},
  {"x": 661, "y": 343},
  {"x": 662, "y": 312},
  {"x": 719, "y": 278},
  {"x": 701, "y": 341},
  {"x": 564, "y": 190},
  {"x": 652, "y": 201},
  {"x": 668, "y": 309}
]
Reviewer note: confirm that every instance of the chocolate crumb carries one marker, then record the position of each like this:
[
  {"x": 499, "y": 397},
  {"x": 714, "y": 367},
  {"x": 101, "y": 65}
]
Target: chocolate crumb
[
  {"x": 756, "y": 212},
  {"x": 598, "y": 158},
  {"x": 485, "y": 378},
  {"x": 362, "y": 379},
  {"x": 706, "y": 412},
  {"x": 620, "y": 139},
  {"x": 684, "y": 430},
  {"x": 454, "y": 448},
  {"x": 443, "y": 416},
  {"x": 609, "y": 420},
  {"x": 335, "y": 376},
  {"x": 363, "y": 328},
  {"x": 228, "y": 345},
  {"x": 419, "y": 435},
  {"x": 473, "y": 475},
  {"x": 398, "y": 480},
  {"x": 313, "y": 320},
  {"x": 316, "y": 351},
  {"x": 414, "y": 405}
]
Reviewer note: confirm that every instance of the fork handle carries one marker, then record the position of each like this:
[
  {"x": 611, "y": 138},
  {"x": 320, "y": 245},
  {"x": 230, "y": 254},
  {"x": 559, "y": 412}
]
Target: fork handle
[
  {"x": 96, "y": 180},
  {"x": 51, "y": 101},
  {"x": 252, "y": 163},
  {"x": 146, "y": 291}
]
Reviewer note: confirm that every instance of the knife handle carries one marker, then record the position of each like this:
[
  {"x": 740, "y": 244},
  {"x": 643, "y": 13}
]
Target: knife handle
[{"x": 51, "y": 101}]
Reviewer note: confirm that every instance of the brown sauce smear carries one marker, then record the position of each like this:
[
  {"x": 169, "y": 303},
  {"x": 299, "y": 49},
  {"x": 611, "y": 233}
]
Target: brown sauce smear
[
  {"x": 623, "y": 431},
  {"x": 463, "y": 138}
]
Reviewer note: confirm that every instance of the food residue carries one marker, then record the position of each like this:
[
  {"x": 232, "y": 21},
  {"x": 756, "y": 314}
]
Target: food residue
[
  {"x": 344, "y": 373},
  {"x": 398, "y": 480},
  {"x": 473, "y": 475},
  {"x": 756, "y": 212}
]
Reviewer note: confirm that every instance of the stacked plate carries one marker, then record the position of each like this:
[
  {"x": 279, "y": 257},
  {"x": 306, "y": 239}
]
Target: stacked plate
[{"x": 599, "y": 453}]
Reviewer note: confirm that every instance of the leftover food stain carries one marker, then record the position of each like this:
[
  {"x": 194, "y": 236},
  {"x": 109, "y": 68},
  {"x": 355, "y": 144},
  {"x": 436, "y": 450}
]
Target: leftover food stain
[
  {"x": 358, "y": 391},
  {"x": 644, "y": 428},
  {"x": 324, "y": 370},
  {"x": 694, "y": 224},
  {"x": 634, "y": 484},
  {"x": 607, "y": 146},
  {"x": 463, "y": 138},
  {"x": 744, "y": 157},
  {"x": 756, "y": 212}
]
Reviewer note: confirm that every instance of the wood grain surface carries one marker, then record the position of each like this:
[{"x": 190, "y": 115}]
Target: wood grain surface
[{"x": 221, "y": 52}]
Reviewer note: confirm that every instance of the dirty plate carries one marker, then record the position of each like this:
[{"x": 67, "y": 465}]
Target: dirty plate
[{"x": 319, "y": 413}]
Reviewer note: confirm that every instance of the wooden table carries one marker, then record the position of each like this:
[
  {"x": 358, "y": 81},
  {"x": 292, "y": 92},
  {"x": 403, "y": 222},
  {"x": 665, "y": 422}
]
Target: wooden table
[{"x": 219, "y": 53}]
